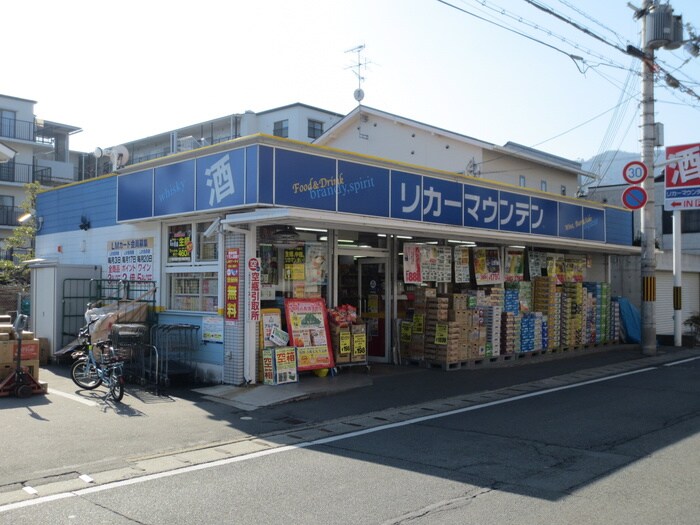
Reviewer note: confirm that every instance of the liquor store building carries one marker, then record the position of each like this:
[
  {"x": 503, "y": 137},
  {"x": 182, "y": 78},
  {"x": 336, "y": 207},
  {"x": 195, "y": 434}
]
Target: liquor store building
[{"x": 234, "y": 230}]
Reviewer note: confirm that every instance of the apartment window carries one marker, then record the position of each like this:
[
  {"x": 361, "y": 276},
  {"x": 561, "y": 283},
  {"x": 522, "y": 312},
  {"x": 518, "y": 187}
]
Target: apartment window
[
  {"x": 315, "y": 129},
  {"x": 543, "y": 185},
  {"x": 521, "y": 181},
  {"x": 192, "y": 268},
  {"x": 281, "y": 129},
  {"x": 7, "y": 123},
  {"x": 690, "y": 222},
  {"x": 563, "y": 189}
]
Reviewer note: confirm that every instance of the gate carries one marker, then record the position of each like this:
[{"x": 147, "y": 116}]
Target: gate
[{"x": 78, "y": 293}]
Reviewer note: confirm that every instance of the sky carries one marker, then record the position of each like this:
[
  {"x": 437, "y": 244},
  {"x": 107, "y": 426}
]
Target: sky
[{"x": 124, "y": 70}]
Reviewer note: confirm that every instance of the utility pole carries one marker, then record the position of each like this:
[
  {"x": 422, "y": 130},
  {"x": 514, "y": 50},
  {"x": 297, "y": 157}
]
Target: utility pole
[
  {"x": 648, "y": 261},
  {"x": 660, "y": 28}
]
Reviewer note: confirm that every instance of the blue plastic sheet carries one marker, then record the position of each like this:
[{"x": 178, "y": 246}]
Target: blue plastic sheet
[{"x": 631, "y": 321}]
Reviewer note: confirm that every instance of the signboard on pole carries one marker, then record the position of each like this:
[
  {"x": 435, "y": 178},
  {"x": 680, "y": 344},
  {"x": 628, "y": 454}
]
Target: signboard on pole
[
  {"x": 635, "y": 172},
  {"x": 634, "y": 197},
  {"x": 682, "y": 188}
]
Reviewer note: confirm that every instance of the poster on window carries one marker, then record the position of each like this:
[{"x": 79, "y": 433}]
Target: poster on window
[
  {"x": 179, "y": 243},
  {"x": 487, "y": 265},
  {"x": 316, "y": 264},
  {"x": 429, "y": 262},
  {"x": 575, "y": 268},
  {"x": 294, "y": 262},
  {"x": 462, "y": 270},
  {"x": 412, "y": 273},
  {"x": 536, "y": 262},
  {"x": 515, "y": 264},
  {"x": 307, "y": 324},
  {"x": 232, "y": 285},
  {"x": 270, "y": 320},
  {"x": 268, "y": 264},
  {"x": 130, "y": 259},
  {"x": 556, "y": 267}
]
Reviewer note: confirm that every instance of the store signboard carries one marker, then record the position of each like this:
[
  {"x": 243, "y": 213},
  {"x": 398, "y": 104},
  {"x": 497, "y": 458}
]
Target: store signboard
[
  {"x": 282, "y": 177},
  {"x": 306, "y": 181},
  {"x": 220, "y": 180},
  {"x": 173, "y": 188},
  {"x": 361, "y": 189},
  {"x": 233, "y": 282},
  {"x": 514, "y": 211},
  {"x": 135, "y": 195},
  {"x": 682, "y": 188},
  {"x": 253, "y": 275},
  {"x": 307, "y": 324},
  {"x": 130, "y": 259}
]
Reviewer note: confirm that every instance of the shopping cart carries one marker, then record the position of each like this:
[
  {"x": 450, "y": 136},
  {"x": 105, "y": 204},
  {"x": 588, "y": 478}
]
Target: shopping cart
[{"x": 176, "y": 345}]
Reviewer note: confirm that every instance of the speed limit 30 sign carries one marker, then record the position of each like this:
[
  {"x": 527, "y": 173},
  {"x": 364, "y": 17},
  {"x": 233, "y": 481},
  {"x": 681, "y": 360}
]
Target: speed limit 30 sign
[{"x": 635, "y": 172}]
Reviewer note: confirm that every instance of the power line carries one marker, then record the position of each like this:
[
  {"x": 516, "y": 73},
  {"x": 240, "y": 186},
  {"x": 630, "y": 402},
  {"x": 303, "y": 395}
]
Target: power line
[
  {"x": 538, "y": 27},
  {"x": 572, "y": 57}
]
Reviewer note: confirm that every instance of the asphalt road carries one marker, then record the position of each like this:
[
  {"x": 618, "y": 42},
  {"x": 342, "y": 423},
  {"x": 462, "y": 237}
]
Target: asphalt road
[{"x": 615, "y": 446}]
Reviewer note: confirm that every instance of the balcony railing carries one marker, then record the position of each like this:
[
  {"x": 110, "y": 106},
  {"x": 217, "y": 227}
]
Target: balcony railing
[
  {"x": 12, "y": 128},
  {"x": 9, "y": 215},
  {"x": 26, "y": 173}
]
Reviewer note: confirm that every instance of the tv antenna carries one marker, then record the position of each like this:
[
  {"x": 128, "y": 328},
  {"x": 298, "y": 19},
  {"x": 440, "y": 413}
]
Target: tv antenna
[{"x": 359, "y": 93}]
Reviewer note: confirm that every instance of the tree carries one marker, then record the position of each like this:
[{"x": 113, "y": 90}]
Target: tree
[{"x": 21, "y": 242}]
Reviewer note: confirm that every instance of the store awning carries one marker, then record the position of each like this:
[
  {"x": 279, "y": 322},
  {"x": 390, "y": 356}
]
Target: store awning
[
  {"x": 6, "y": 153},
  {"x": 346, "y": 221}
]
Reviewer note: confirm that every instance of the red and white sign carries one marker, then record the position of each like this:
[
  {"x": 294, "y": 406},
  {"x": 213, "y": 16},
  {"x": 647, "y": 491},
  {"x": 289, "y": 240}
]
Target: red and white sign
[
  {"x": 634, "y": 197},
  {"x": 254, "y": 293},
  {"x": 682, "y": 188},
  {"x": 635, "y": 172}
]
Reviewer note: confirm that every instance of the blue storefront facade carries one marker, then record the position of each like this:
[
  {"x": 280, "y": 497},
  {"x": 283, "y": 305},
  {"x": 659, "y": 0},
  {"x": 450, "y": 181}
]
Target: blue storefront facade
[{"x": 232, "y": 198}]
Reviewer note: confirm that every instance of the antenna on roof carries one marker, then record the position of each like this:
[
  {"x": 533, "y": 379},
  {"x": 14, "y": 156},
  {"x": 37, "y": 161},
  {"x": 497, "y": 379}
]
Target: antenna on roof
[{"x": 359, "y": 93}]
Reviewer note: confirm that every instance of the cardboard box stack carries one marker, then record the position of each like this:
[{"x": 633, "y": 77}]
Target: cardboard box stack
[
  {"x": 492, "y": 321},
  {"x": 547, "y": 299},
  {"x": 527, "y": 333},
  {"x": 8, "y": 350},
  {"x": 437, "y": 312},
  {"x": 601, "y": 294},
  {"x": 416, "y": 347},
  {"x": 572, "y": 315},
  {"x": 525, "y": 296},
  {"x": 510, "y": 332}
]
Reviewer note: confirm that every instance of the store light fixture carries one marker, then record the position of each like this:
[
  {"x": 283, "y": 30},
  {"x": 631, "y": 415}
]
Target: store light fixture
[
  {"x": 285, "y": 234},
  {"x": 319, "y": 230},
  {"x": 323, "y": 238},
  {"x": 404, "y": 237},
  {"x": 346, "y": 241},
  {"x": 455, "y": 241},
  {"x": 381, "y": 235},
  {"x": 517, "y": 247}
]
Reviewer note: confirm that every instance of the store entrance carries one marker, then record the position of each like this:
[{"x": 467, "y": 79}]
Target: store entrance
[{"x": 364, "y": 282}]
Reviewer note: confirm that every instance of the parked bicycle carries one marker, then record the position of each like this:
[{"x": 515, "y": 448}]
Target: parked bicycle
[{"x": 92, "y": 369}]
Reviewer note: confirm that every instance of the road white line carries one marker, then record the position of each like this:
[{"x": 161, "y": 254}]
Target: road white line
[
  {"x": 682, "y": 361},
  {"x": 322, "y": 441},
  {"x": 73, "y": 397}
]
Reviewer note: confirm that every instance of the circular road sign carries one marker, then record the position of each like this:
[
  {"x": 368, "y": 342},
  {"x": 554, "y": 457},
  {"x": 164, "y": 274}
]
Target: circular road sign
[
  {"x": 635, "y": 172},
  {"x": 634, "y": 197}
]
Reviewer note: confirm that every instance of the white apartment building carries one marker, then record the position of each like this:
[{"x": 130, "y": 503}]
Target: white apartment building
[{"x": 40, "y": 154}]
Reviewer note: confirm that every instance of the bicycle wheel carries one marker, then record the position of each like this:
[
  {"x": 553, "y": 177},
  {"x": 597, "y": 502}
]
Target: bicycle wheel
[
  {"x": 85, "y": 375},
  {"x": 116, "y": 385}
]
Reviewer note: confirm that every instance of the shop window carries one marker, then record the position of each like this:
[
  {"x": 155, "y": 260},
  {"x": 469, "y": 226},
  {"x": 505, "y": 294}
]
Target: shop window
[
  {"x": 281, "y": 128},
  {"x": 207, "y": 247},
  {"x": 543, "y": 185},
  {"x": 292, "y": 267},
  {"x": 563, "y": 189},
  {"x": 521, "y": 181},
  {"x": 690, "y": 222},
  {"x": 192, "y": 268},
  {"x": 194, "y": 291},
  {"x": 315, "y": 129}
]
